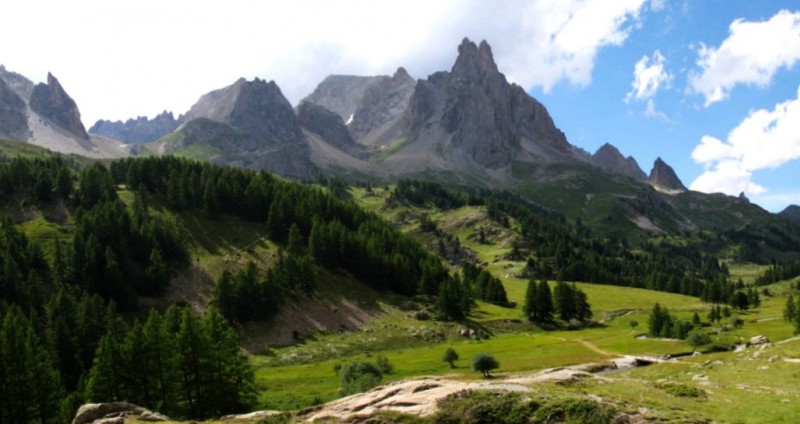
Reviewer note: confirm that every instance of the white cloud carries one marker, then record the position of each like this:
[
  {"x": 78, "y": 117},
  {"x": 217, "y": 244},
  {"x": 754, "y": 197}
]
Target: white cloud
[
  {"x": 648, "y": 77},
  {"x": 764, "y": 139},
  {"x": 126, "y": 58},
  {"x": 729, "y": 178},
  {"x": 751, "y": 55}
]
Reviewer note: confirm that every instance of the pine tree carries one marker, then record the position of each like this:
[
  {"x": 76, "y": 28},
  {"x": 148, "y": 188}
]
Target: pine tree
[
  {"x": 544, "y": 301},
  {"x": 192, "y": 363},
  {"x": 229, "y": 380},
  {"x": 161, "y": 359},
  {"x": 583, "y": 311},
  {"x": 530, "y": 307},
  {"x": 564, "y": 301},
  {"x": 790, "y": 310},
  {"x": 107, "y": 379},
  {"x": 29, "y": 382}
]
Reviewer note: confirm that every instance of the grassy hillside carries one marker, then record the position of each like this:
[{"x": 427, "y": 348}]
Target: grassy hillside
[{"x": 347, "y": 319}]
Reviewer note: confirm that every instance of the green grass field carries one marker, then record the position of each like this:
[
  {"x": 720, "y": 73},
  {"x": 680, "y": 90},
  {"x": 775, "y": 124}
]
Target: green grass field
[{"x": 741, "y": 388}]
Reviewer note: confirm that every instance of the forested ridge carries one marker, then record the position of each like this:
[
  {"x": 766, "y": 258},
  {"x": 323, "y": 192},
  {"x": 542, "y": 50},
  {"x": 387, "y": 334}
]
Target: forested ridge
[
  {"x": 556, "y": 250},
  {"x": 72, "y": 329},
  {"x": 64, "y": 339}
]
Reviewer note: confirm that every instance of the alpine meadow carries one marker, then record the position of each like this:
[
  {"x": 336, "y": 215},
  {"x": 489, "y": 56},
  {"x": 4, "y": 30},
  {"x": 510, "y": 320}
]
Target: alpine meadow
[{"x": 392, "y": 249}]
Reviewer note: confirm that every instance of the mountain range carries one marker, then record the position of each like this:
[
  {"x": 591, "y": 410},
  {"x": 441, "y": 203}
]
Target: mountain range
[{"x": 465, "y": 126}]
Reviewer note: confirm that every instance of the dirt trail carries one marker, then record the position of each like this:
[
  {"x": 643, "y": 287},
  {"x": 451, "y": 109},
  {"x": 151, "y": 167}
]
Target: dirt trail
[{"x": 591, "y": 346}]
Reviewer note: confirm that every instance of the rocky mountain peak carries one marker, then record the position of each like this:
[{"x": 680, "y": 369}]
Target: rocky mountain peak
[
  {"x": 138, "y": 130},
  {"x": 257, "y": 107},
  {"x": 261, "y": 109},
  {"x": 474, "y": 63},
  {"x": 401, "y": 73},
  {"x": 662, "y": 176},
  {"x": 51, "y": 101},
  {"x": 13, "y": 118},
  {"x": 490, "y": 121},
  {"x": 342, "y": 94},
  {"x": 609, "y": 158}
]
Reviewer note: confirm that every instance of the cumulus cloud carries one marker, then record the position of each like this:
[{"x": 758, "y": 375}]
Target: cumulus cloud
[
  {"x": 649, "y": 76},
  {"x": 126, "y": 58},
  {"x": 751, "y": 55},
  {"x": 764, "y": 139}
]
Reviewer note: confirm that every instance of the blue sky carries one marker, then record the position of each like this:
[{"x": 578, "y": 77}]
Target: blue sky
[
  {"x": 710, "y": 86},
  {"x": 679, "y": 119}
]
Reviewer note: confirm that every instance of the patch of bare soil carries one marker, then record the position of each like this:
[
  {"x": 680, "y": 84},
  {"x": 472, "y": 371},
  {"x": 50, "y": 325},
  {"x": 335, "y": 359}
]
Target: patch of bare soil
[
  {"x": 298, "y": 319},
  {"x": 192, "y": 286}
]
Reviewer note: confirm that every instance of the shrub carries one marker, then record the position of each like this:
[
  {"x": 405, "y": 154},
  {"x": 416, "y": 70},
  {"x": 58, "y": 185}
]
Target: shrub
[
  {"x": 484, "y": 407},
  {"x": 358, "y": 376},
  {"x": 682, "y": 390},
  {"x": 575, "y": 411},
  {"x": 698, "y": 337},
  {"x": 384, "y": 365},
  {"x": 484, "y": 363},
  {"x": 450, "y": 356}
]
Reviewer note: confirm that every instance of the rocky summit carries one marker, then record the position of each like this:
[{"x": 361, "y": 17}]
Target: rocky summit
[
  {"x": 52, "y": 102},
  {"x": 248, "y": 124},
  {"x": 610, "y": 159},
  {"x": 485, "y": 120},
  {"x": 663, "y": 177},
  {"x": 13, "y": 120},
  {"x": 139, "y": 130},
  {"x": 45, "y": 115}
]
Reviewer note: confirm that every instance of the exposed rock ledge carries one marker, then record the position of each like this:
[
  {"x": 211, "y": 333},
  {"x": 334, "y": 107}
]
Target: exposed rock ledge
[
  {"x": 418, "y": 397},
  {"x": 114, "y": 413}
]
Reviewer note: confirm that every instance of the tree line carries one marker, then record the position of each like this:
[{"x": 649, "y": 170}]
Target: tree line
[{"x": 557, "y": 250}]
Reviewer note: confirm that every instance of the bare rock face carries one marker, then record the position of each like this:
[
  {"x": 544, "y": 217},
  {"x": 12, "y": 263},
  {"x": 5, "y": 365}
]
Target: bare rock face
[
  {"x": 664, "y": 177},
  {"x": 139, "y": 130},
  {"x": 114, "y": 412},
  {"x": 383, "y": 101},
  {"x": 256, "y": 107},
  {"x": 13, "y": 116},
  {"x": 52, "y": 102},
  {"x": 262, "y": 110},
  {"x": 610, "y": 159},
  {"x": 341, "y": 94},
  {"x": 490, "y": 120},
  {"x": 328, "y": 125},
  {"x": 247, "y": 124}
]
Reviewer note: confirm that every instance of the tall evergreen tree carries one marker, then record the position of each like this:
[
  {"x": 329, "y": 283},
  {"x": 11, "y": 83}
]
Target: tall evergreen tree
[
  {"x": 544, "y": 301},
  {"x": 29, "y": 382}
]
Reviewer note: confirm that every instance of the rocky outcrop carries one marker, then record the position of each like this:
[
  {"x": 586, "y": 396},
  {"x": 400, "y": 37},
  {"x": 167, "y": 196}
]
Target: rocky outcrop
[
  {"x": 18, "y": 83},
  {"x": 791, "y": 212},
  {"x": 52, "y": 102},
  {"x": 13, "y": 116},
  {"x": 256, "y": 107},
  {"x": 490, "y": 121},
  {"x": 341, "y": 94},
  {"x": 610, "y": 159},
  {"x": 139, "y": 130},
  {"x": 114, "y": 413},
  {"x": 663, "y": 178},
  {"x": 248, "y": 124},
  {"x": 382, "y": 105},
  {"x": 328, "y": 126}
]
